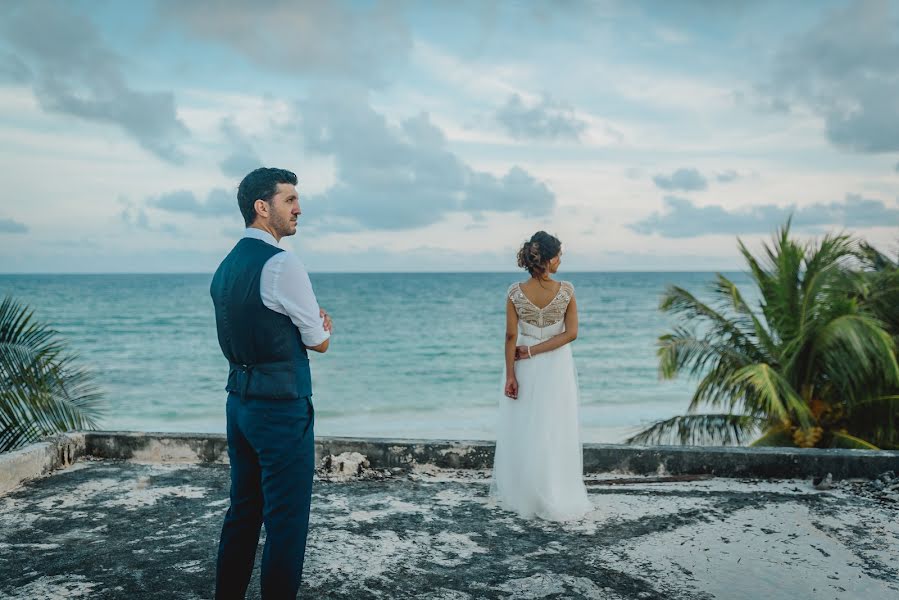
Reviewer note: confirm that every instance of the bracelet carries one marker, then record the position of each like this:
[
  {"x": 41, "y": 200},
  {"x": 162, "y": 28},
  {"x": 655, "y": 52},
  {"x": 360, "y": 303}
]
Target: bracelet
[{"x": 529, "y": 352}]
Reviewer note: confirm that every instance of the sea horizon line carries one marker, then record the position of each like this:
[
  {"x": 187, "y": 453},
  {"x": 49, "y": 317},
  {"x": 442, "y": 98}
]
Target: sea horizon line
[{"x": 409, "y": 272}]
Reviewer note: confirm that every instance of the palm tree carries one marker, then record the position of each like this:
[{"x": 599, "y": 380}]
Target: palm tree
[
  {"x": 42, "y": 391},
  {"x": 804, "y": 368},
  {"x": 881, "y": 295}
]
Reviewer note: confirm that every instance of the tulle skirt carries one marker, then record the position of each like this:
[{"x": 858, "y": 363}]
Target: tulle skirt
[{"x": 538, "y": 467}]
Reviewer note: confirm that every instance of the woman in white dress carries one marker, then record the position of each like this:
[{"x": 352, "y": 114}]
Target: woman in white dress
[{"x": 538, "y": 467}]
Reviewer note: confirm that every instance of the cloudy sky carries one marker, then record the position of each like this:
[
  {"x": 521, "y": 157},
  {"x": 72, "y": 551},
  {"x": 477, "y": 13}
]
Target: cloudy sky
[{"x": 438, "y": 135}]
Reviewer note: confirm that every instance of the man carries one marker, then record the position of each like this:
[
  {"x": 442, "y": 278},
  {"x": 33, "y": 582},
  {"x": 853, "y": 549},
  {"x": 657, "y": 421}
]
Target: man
[{"x": 267, "y": 317}]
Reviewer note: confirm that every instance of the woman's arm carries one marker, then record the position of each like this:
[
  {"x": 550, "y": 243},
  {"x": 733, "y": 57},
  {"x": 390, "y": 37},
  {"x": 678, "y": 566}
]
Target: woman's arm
[
  {"x": 511, "y": 388},
  {"x": 566, "y": 337},
  {"x": 322, "y": 348}
]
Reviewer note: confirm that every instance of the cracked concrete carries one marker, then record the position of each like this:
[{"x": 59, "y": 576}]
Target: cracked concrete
[{"x": 118, "y": 529}]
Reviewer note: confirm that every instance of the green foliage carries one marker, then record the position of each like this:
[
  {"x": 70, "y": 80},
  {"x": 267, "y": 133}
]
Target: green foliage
[
  {"x": 814, "y": 364},
  {"x": 881, "y": 296},
  {"x": 42, "y": 390}
]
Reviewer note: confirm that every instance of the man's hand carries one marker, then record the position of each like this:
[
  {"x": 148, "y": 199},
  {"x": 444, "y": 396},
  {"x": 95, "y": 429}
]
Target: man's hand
[
  {"x": 521, "y": 353},
  {"x": 511, "y": 389},
  {"x": 326, "y": 318}
]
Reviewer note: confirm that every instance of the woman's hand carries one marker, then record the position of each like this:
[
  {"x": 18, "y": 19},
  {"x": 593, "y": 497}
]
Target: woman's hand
[
  {"x": 511, "y": 389},
  {"x": 522, "y": 352},
  {"x": 327, "y": 324}
]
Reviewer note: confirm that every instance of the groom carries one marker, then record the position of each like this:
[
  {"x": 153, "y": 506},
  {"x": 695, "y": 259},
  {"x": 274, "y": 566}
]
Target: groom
[{"x": 267, "y": 317}]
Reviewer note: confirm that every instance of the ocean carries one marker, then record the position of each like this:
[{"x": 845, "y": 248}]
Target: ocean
[{"x": 414, "y": 355}]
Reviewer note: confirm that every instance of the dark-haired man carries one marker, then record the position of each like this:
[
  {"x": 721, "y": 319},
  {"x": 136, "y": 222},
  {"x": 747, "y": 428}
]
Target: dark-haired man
[{"x": 267, "y": 317}]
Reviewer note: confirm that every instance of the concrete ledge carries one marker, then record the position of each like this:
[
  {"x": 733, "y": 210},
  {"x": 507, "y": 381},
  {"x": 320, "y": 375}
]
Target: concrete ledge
[
  {"x": 38, "y": 459},
  {"x": 158, "y": 447},
  {"x": 382, "y": 453},
  {"x": 767, "y": 463}
]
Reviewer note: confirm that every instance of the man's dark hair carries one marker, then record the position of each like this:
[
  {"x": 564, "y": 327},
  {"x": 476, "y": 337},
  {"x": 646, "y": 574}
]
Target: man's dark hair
[{"x": 260, "y": 184}]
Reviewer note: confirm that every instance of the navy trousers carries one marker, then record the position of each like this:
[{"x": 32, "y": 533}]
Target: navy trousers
[{"x": 272, "y": 451}]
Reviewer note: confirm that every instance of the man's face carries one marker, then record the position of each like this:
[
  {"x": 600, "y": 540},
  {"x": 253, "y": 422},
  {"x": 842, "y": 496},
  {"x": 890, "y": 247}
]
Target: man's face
[{"x": 285, "y": 209}]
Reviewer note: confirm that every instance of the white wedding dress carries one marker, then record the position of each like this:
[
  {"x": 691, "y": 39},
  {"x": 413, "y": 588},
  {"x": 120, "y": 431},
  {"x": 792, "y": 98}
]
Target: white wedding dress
[{"x": 538, "y": 467}]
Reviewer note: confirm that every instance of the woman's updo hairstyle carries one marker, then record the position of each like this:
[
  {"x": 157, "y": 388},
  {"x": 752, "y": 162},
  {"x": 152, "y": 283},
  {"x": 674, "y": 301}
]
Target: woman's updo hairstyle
[{"x": 537, "y": 251}]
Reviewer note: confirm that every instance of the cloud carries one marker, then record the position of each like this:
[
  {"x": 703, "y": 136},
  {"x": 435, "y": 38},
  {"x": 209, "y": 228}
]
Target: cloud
[
  {"x": 682, "y": 218},
  {"x": 517, "y": 191},
  {"x": 237, "y": 164},
  {"x": 897, "y": 167},
  {"x": 546, "y": 119},
  {"x": 10, "y": 226},
  {"x": 72, "y": 72},
  {"x": 242, "y": 158},
  {"x": 687, "y": 180},
  {"x": 844, "y": 70},
  {"x": 727, "y": 176},
  {"x": 402, "y": 176},
  {"x": 634, "y": 173},
  {"x": 332, "y": 40},
  {"x": 13, "y": 69},
  {"x": 219, "y": 203},
  {"x": 136, "y": 218}
]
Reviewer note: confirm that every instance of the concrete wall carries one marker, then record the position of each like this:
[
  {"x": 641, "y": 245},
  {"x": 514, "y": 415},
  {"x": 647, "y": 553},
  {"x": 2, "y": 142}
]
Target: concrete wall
[
  {"x": 39, "y": 459},
  {"x": 598, "y": 458},
  {"x": 765, "y": 463},
  {"x": 158, "y": 447}
]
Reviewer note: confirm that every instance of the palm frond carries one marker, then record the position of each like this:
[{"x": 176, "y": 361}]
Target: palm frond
[
  {"x": 681, "y": 351},
  {"x": 881, "y": 298},
  {"x": 876, "y": 260},
  {"x": 857, "y": 354},
  {"x": 881, "y": 399},
  {"x": 706, "y": 429},
  {"x": 826, "y": 276},
  {"x": 685, "y": 305},
  {"x": 765, "y": 391},
  {"x": 728, "y": 290},
  {"x": 785, "y": 258},
  {"x": 42, "y": 390},
  {"x": 720, "y": 389},
  {"x": 778, "y": 436},
  {"x": 844, "y": 440},
  {"x": 760, "y": 276},
  {"x": 876, "y": 419}
]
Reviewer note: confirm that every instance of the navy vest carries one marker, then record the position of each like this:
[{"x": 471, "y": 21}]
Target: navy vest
[{"x": 267, "y": 355}]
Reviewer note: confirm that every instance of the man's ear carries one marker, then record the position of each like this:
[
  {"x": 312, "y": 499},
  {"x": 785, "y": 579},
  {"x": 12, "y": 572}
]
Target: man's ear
[{"x": 261, "y": 207}]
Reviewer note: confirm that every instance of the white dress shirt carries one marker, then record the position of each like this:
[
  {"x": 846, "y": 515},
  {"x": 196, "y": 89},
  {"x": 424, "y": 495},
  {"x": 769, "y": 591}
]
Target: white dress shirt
[{"x": 285, "y": 288}]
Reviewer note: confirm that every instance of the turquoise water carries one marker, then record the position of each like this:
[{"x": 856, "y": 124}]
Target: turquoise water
[{"x": 413, "y": 355}]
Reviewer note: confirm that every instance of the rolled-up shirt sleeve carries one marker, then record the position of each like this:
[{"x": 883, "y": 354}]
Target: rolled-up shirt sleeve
[{"x": 292, "y": 294}]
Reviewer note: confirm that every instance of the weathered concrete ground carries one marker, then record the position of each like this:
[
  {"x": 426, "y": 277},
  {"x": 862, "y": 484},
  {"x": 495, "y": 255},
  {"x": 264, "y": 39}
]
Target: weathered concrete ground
[{"x": 114, "y": 529}]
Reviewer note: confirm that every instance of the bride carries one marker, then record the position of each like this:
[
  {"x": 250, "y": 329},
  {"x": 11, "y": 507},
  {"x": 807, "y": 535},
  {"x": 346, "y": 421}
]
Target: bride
[{"x": 538, "y": 467}]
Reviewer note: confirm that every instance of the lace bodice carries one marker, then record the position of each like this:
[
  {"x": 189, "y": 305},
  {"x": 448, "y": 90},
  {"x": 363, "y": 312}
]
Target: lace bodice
[{"x": 552, "y": 313}]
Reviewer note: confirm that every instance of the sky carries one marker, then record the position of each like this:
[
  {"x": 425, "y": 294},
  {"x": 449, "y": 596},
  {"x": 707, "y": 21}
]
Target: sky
[{"x": 438, "y": 136}]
